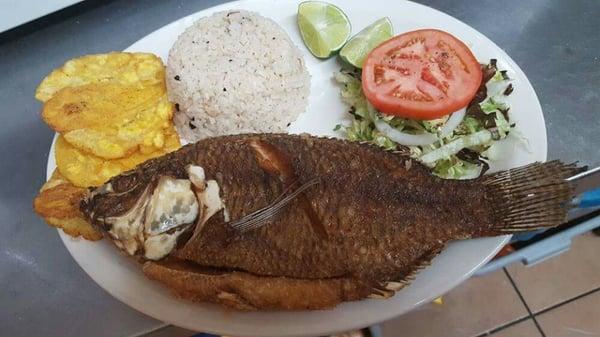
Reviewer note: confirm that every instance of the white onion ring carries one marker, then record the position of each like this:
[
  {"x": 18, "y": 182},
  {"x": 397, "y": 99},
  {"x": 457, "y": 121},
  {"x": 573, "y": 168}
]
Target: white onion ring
[
  {"x": 454, "y": 121},
  {"x": 408, "y": 139},
  {"x": 404, "y": 138}
]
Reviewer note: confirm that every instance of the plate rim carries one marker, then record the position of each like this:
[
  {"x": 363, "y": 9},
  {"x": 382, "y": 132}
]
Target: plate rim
[{"x": 67, "y": 240}]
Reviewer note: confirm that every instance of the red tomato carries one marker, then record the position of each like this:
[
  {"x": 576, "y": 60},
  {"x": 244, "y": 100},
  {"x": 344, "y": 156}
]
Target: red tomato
[{"x": 423, "y": 74}]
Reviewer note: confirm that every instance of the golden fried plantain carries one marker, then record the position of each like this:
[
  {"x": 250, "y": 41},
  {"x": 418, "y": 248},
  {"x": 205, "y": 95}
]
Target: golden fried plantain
[
  {"x": 169, "y": 137},
  {"x": 58, "y": 203},
  {"x": 102, "y": 143},
  {"x": 84, "y": 169},
  {"x": 113, "y": 113},
  {"x": 98, "y": 104},
  {"x": 125, "y": 68},
  {"x": 81, "y": 168},
  {"x": 110, "y": 120}
]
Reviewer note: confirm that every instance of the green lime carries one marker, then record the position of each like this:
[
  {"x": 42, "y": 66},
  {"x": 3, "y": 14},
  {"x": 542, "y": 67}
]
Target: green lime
[
  {"x": 356, "y": 50},
  {"x": 324, "y": 27}
]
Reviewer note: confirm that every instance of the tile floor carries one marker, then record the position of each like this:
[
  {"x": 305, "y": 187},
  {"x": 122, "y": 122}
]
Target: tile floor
[{"x": 556, "y": 298}]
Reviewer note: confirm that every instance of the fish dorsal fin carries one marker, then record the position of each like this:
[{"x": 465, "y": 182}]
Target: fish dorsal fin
[{"x": 279, "y": 165}]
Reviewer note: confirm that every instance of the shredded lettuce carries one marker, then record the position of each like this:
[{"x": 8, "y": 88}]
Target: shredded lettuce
[
  {"x": 521, "y": 138},
  {"x": 483, "y": 137},
  {"x": 469, "y": 125},
  {"x": 491, "y": 105},
  {"x": 454, "y": 168},
  {"x": 498, "y": 77},
  {"x": 479, "y": 131},
  {"x": 502, "y": 125}
]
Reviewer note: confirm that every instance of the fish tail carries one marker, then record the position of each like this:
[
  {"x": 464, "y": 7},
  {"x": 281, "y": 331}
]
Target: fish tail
[{"x": 531, "y": 197}]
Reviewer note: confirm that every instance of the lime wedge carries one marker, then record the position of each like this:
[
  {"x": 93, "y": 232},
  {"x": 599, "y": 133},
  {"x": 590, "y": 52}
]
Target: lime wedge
[
  {"x": 324, "y": 27},
  {"x": 356, "y": 50}
]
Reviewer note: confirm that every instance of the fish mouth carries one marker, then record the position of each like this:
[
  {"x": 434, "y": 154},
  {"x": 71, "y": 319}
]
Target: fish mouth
[{"x": 160, "y": 215}]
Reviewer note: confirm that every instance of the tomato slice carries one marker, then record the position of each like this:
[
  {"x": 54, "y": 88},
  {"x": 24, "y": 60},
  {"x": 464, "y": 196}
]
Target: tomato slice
[{"x": 423, "y": 74}]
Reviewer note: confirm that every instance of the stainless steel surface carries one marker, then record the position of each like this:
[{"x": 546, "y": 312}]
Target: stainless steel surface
[
  {"x": 586, "y": 181},
  {"x": 44, "y": 292}
]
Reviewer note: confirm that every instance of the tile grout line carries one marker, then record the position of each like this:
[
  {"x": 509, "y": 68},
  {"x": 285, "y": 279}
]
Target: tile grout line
[
  {"x": 572, "y": 299},
  {"x": 537, "y": 324},
  {"x": 502, "y": 327}
]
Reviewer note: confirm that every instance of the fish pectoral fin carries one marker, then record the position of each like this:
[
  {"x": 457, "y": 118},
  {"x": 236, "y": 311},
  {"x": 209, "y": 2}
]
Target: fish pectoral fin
[
  {"x": 273, "y": 161},
  {"x": 260, "y": 217},
  {"x": 278, "y": 164}
]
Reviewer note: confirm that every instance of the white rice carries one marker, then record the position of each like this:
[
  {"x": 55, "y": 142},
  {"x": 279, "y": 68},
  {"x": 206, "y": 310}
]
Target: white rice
[{"x": 235, "y": 72}]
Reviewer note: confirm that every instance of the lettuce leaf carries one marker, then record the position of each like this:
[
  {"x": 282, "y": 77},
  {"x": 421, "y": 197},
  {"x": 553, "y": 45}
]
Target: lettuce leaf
[{"x": 478, "y": 131}]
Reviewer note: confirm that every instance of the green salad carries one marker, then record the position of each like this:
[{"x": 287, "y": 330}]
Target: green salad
[
  {"x": 408, "y": 75},
  {"x": 456, "y": 146}
]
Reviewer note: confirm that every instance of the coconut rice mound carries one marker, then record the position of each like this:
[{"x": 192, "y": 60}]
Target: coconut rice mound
[{"x": 235, "y": 72}]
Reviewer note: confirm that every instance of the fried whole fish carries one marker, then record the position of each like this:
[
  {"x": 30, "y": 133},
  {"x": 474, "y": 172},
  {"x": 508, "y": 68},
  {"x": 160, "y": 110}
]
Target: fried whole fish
[{"x": 273, "y": 221}]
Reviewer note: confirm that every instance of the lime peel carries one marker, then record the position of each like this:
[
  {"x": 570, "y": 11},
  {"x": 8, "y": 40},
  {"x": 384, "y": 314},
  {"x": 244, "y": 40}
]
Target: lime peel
[
  {"x": 324, "y": 28},
  {"x": 355, "y": 51}
]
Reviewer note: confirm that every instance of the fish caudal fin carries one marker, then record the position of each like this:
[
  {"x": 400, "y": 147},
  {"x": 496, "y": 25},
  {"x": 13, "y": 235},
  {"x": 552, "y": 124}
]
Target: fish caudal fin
[{"x": 530, "y": 197}]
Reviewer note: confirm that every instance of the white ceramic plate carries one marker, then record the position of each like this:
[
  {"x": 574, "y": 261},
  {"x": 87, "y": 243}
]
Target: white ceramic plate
[{"x": 123, "y": 278}]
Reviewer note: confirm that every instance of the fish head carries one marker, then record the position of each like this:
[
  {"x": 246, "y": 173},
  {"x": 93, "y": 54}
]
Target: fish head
[{"x": 148, "y": 217}]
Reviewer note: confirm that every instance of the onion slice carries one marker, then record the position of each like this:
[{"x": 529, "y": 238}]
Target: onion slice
[
  {"x": 453, "y": 122},
  {"x": 404, "y": 138},
  {"x": 408, "y": 139},
  {"x": 452, "y": 148}
]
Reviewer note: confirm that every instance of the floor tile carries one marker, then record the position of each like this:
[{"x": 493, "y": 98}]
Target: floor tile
[
  {"x": 580, "y": 318},
  {"x": 562, "y": 277},
  {"x": 523, "y": 329},
  {"x": 478, "y": 305}
]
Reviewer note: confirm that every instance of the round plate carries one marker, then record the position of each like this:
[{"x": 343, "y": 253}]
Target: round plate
[{"x": 122, "y": 277}]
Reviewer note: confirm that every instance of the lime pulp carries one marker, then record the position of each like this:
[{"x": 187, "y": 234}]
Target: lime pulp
[
  {"x": 355, "y": 51},
  {"x": 324, "y": 27}
]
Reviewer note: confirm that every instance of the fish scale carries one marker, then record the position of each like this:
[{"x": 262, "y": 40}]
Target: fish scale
[{"x": 385, "y": 216}]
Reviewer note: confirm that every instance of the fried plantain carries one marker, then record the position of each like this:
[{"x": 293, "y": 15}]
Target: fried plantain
[
  {"x": 112, "y": 113},
  {"x": 140, "y": 69},
  {"x": 84, "y": 169},
  {"x": 110, "y": 120},
  {"x": 58, "y": 203}
]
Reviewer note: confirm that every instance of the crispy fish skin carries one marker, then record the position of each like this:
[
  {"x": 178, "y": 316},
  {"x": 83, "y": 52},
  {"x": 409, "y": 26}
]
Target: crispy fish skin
[
  {"x": 385, "y": 216},
  {"x": 247, "y": 292},
  {"x": 371, "y": 206}
]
